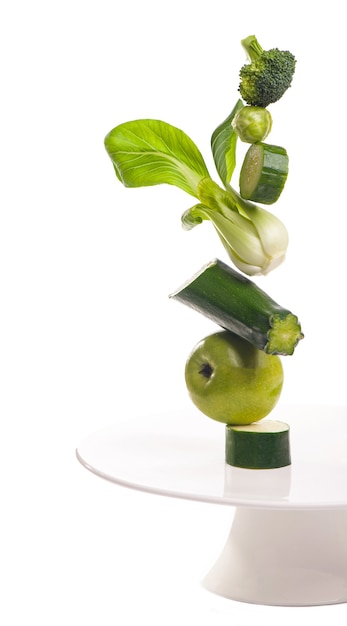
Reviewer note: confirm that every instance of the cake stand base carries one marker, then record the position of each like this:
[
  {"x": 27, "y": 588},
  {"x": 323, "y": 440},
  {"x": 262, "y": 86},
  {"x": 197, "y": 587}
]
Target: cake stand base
[
  {"x": 283, "y": 557},
  {"x": 288, "y": 541}
]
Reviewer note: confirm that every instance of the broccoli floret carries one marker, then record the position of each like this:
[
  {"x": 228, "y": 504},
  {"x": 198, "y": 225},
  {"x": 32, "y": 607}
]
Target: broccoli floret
[{"x": 268, "y": 75}]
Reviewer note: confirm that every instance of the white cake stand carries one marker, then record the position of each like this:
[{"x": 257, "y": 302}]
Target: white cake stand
[{"x": 288, "y": 541}]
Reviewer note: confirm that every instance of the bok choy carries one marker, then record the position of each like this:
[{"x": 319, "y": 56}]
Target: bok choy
[{"x": 151, "y": 152}]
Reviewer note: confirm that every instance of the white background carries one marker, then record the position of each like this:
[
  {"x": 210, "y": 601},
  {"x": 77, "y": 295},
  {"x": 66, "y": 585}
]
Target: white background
[{"x": 88, "y": 334}]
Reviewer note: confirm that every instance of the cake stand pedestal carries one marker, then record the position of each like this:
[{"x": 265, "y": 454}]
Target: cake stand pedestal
[{"x": 288, "y": 541}]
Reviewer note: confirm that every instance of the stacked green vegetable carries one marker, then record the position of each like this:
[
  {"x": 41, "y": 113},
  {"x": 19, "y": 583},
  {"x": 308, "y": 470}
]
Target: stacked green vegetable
[
  {"x": 150, "y": 152},
  {"x": 262, "y": 81}
]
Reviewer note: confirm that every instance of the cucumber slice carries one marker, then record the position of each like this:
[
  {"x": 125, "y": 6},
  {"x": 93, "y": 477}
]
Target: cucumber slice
[
  {"x": 261, "y": 445},
  {"x": 263, "y": 173}
]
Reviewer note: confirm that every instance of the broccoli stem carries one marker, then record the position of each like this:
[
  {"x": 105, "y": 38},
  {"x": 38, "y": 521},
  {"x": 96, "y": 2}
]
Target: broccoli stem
[{"x": 252, "y": 47}]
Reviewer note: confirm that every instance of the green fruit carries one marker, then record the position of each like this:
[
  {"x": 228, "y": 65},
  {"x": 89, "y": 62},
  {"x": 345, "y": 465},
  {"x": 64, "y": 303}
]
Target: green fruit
[{"x": 232, "y": 381}]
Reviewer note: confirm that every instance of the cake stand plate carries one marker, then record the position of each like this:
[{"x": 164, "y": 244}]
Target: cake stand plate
[{"x": 288, "y": 541}]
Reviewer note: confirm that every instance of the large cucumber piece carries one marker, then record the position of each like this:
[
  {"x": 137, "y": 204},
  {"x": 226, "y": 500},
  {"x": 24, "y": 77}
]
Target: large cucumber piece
[
  {"x": 263, "y": 173},
  {"x": 240, "y": 306},
  {"x": 262, "y": 445}
]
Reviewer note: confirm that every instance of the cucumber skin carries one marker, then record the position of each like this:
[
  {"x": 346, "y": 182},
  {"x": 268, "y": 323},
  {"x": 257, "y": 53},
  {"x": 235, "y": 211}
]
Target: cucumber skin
[
  {"x": 235, "y": 303},
  {"x": 273, "y": 175},
  {"x": 251, "y": 450}
]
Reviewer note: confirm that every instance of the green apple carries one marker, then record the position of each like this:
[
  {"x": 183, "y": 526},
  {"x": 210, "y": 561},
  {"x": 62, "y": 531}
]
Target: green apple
[{"x": 232, "y": 381}]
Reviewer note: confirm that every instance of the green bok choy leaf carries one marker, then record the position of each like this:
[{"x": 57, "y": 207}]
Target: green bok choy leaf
[{"x": 151, "y": 152}]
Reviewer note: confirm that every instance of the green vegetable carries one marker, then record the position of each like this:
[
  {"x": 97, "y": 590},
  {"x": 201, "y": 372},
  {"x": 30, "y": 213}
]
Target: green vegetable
[
  {"x": 255, "y": 240},
  {"x": 240, "y": 306},
  {"x": 267, "y": 76},
  {"x": 151, "y": 152},
  {"x": 231, "y": 381},
  {"x": 263, "y": 445},
  {"x": 223, "y": 145},
  {"x": 263, "y": 173},
  {"x": 252, "y": 124}
]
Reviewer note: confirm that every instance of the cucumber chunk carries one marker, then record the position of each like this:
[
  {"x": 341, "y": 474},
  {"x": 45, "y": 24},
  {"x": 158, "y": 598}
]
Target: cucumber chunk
[
  {"x": 237, "y": 304},
  {"x": 261, "y": 445},
  {"x": 263, "y": 173}
]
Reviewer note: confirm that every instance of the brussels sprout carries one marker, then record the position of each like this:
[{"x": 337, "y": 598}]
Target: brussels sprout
[{"x": 252, "y": 124}]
